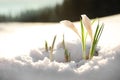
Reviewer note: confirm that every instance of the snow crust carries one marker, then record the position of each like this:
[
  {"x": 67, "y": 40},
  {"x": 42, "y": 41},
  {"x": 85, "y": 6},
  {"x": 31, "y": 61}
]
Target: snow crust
[{"x": 22, "y": 54}]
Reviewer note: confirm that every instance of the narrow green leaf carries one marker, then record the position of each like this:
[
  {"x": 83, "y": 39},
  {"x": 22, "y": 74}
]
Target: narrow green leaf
[
  {"x": 51, "y": 48},
  {"x": 100, "y": 31},
  {"x": 63, "y": 42},
  {"x": 53, "y": 43},
  {"x": 46, "y": 46},
  {"x": 97, "y": 35},
  {"x": 67, "y": 55},
  {"x": 93, "y": 21},
  {"x": 83, "y": 37},
  {"x": 96, "y": 32}
]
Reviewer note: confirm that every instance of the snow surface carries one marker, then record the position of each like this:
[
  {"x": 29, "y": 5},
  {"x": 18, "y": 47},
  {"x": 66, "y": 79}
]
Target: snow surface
[{"x": 23, "y": 57}]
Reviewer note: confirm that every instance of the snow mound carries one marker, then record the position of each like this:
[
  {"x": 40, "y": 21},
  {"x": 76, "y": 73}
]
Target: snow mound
[{"x": 105, "y": 67}]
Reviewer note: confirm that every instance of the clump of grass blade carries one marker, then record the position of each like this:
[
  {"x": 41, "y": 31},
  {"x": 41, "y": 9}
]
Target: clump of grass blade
[
  {"x": 97, "y": 35},
  {"x": 66, "y": 53},
  {"x": 51, "y": 48}
]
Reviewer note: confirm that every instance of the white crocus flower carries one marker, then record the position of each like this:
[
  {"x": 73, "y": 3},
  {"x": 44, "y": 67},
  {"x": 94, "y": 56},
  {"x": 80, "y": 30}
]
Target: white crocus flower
[
  {"x": 71, "y": 26},
  {"x": 87, "y": 23},
  {"x": 94, "y": 39}
]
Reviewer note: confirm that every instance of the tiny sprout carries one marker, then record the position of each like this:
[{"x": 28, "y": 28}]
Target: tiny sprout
[
  {"x": 46, "y": 46},
  {"x": 51, "y": 48},
  {"x": 66, "y": 53}
]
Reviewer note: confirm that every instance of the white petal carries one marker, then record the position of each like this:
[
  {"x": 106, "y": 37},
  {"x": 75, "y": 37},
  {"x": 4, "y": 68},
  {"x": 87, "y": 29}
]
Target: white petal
[
  {"x": 87, "y": 23},
  {"x": 70, "y": 25}
]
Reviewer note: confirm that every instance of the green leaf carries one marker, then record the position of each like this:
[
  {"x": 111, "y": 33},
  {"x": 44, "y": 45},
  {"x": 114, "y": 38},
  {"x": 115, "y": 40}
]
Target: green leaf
[
  {"x": 51, "y": 48},
  {"x": 67, "y": 55},
  {"x": 63, "y": 43},
  {"x": 97, "y": 35},
  {"x": 53, "y": 43},
  {"x": 83, "y": 37},
  {"x": 46, "y": 46},
  {"x": 93, "y": 21}
]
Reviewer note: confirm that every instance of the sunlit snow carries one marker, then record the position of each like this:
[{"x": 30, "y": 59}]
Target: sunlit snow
[{"x": 22, "y": 55}]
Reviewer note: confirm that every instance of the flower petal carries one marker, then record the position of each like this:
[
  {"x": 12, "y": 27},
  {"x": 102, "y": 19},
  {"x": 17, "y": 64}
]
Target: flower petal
[
  {"x": 71, "y": 26},
  {"x": 87, "y": 23}
]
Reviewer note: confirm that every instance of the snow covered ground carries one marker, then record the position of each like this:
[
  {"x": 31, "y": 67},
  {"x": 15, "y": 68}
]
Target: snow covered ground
[{"x": 22, "y": 55}]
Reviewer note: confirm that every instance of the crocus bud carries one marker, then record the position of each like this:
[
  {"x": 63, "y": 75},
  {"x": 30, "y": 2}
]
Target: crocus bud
[
  {"x": 71, "y": 26},
  {"x": 87, "y": 23}
]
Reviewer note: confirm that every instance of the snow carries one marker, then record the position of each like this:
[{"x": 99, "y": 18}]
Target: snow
[{"x": 23, "y": 57}]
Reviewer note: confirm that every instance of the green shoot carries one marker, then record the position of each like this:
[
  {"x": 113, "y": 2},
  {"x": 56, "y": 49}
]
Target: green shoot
[
  {"x": 46, "y": 46},
  {"x": 53, "y": 43},
  {"x": 51, "y": 48},
  {"x": 66, "y": 53},
  {"x": 83, "y": 40},
  {"x": 97, "y": 35}
]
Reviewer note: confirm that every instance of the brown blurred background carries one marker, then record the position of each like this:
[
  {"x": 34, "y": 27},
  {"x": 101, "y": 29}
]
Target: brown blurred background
[{"x": 69, "y": 9}]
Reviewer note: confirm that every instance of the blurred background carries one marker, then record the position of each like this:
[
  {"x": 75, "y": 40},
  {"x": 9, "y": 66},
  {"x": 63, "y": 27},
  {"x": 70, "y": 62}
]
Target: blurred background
[{"x": 55, "y": 10}]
